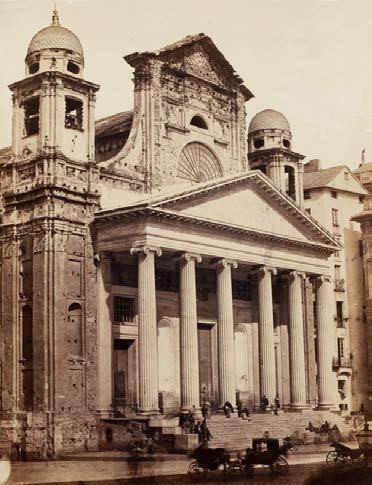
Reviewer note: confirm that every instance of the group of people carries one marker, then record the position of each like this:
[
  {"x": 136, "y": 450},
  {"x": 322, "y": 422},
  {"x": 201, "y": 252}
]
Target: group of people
[
  {"x": 190, "y": 423},
  {"x": 264, "y": 403},
  {"x": 242, "y": 411}
]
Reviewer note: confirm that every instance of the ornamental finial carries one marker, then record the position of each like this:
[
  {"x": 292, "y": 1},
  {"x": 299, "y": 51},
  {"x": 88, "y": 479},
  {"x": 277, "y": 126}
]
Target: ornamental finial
[{"x": 55, "y": 17}]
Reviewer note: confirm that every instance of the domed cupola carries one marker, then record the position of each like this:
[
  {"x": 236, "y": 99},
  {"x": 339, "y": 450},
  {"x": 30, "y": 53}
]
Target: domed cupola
[
  {"x": 270, "y": 150},
  {"x": 269, "y": 129},
  {"x": 55, "y": 48}
]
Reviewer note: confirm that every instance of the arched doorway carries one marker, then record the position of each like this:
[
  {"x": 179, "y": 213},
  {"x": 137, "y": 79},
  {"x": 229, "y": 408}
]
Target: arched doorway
[
  {"x": 166, "y": 366},
  {"x": 241, "y": 360}
]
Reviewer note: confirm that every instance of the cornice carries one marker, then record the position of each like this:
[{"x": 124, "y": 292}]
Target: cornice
[
  {"x": 274, "y": 151},
  {"x": 169, "y": 215},
  {"x": 51, "y": 76}
]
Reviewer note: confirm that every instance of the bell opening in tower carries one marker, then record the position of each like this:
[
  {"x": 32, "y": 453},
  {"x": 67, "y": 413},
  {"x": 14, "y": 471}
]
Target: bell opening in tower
[{"x": 31, "y": 110}]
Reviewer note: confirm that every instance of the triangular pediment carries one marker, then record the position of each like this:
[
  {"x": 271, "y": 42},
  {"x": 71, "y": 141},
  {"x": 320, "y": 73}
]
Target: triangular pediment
[
  {"x": 250, "y": 203},
  {"x": 196, "y": 55}
]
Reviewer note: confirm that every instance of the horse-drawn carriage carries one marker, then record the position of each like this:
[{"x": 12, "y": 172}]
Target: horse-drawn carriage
[
  {"x": 342, "y": 454},
  {"x": 265, "y": 451}
]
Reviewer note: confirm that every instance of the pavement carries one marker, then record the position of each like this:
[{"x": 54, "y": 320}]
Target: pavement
[{"x": 107, "y": 466}]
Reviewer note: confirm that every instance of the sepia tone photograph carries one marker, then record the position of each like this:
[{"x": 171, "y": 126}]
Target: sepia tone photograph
[{"x": 186, "y": 242}]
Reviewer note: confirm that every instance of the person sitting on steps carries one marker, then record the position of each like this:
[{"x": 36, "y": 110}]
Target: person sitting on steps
[
  {"x": 242, "y": 411},
  {"x": 228, "y": 409},
  {"x": 264, "y": 403}
]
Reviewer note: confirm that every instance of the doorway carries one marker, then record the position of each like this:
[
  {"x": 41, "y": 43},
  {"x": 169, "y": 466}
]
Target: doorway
[
  {"x": 206, "y": 361},
  {"x": 124, "y": 366}
]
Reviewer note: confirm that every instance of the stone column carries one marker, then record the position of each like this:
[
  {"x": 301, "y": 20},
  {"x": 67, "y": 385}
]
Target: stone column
[
  {"x": 225, "y": 330},
  {"x": 324, "y": 309},
  {"x": 148, "y": 398},
  {"x": 266, "y": 331},
  {"x": 189, "y": 333},
  {"x": 296, "y": 339},
  {"x": 104, "y": 336}
]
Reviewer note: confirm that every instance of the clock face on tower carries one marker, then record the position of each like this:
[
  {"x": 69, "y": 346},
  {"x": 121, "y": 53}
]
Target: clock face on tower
[{"x": 197, "y": 163}]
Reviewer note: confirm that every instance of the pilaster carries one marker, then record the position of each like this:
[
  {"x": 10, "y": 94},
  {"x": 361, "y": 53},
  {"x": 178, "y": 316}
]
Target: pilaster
[{"x": 104, "y": 335}]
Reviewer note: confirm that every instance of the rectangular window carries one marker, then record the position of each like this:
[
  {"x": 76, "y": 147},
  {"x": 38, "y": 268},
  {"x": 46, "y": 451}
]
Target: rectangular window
[
  {"x": 308, "y": 211},
  {"x": 333, "y": 194},
  {"x": 337, "y": 272},
  {"x": 335, "y": 217},
  {"x": 341, "y": 348},
  {"x": 31, "y": 109},
  {"x": 340, "y": 314},
  {"x": 360, "y": 248},
  {"x": 74, "y": 114},
  {"x": 123, "y": 309},
  {"x": 307, "y": 195}
]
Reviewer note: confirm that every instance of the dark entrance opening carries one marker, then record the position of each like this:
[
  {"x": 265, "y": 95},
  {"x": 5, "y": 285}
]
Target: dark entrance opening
[
  {"x": 124, "y": 365},
  {"x": 206, "y": 355}
]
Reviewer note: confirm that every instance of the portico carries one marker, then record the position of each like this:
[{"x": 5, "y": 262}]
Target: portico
[{"x": 205, "y": 289}]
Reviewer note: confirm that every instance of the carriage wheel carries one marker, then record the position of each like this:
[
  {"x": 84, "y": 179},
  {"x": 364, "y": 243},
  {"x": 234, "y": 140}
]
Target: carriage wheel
[
  {"x": 332, "y": 457},
  {"x": 280, "y": 466},
  {"x": 196, "y": 471}
]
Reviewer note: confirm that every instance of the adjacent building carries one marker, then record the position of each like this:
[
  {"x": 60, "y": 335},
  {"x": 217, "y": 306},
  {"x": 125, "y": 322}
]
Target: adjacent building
[{"x": 333, "y": 196}]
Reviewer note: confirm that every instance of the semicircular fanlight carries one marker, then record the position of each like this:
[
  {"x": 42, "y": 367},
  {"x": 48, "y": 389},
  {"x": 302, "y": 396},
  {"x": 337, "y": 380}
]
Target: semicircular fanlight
[{"x": 198, "y": 163}]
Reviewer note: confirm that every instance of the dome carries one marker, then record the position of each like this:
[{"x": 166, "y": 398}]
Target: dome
[
  {"x": 55, "y": 37},
  {"x": 269, "y": 119}
]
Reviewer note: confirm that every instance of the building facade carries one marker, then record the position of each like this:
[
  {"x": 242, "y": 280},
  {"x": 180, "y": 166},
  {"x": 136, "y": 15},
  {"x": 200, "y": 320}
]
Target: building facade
[
  {"x": 147, "y": 263},
  {"x": 334, "y": 196}
]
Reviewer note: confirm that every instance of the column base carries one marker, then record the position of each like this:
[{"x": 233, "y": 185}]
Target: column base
[
  {"x": 324, "y": 407},
  {"x": 298, "y": 408},
  {"x": 151, "y": 412},
  {"x": 104, "y": 413}
]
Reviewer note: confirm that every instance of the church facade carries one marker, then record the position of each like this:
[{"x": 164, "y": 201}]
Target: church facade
[{"x": 156, "y": 258}]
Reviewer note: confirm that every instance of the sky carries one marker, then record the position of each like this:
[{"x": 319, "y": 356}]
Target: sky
[{"x": 309, "y": 59}]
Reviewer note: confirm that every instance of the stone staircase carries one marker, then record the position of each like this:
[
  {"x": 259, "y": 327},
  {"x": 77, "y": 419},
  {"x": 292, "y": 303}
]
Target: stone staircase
[{"x": 236, "y": 434}]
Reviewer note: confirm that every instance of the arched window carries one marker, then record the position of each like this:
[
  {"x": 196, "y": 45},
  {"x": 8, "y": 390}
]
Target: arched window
[
  {"x": 198, "y": 163},
  {"x": 290, "y": 182},
  {"x": 258, "y": 142},
  {"x": 74, "y": 330},
  {"x": 33, "y": 68},
  {"x": 72, "y": 67},
  {"x": 199, "y": 122},
  {"x": 27, "y": 358},
  {"x": 241, "y": 359}
]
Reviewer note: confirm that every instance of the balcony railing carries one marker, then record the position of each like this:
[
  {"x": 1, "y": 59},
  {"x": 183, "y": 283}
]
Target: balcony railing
[
  {"x": 338, "y": 362},
  {"x": 339, "y": 284}
]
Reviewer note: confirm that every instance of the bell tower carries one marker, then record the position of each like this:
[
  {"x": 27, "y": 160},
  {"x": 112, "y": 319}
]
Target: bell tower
[
  {"x": 270, "y": 150},
  {"x": 47, "y": 288},
  {"x": 53, "y": 107}
]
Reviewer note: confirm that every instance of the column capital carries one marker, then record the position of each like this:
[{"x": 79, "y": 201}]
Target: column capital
[
  {"x": 98, "y": 257},
  {"x": 227, "y": 262},
  {"x": 292, "y": 275},
  {"x": 322, "y": 278},
  {"x": 189, "y": 257},
  {"x": 146, "y": 250},
  {"x": 263, "y": 270}
]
